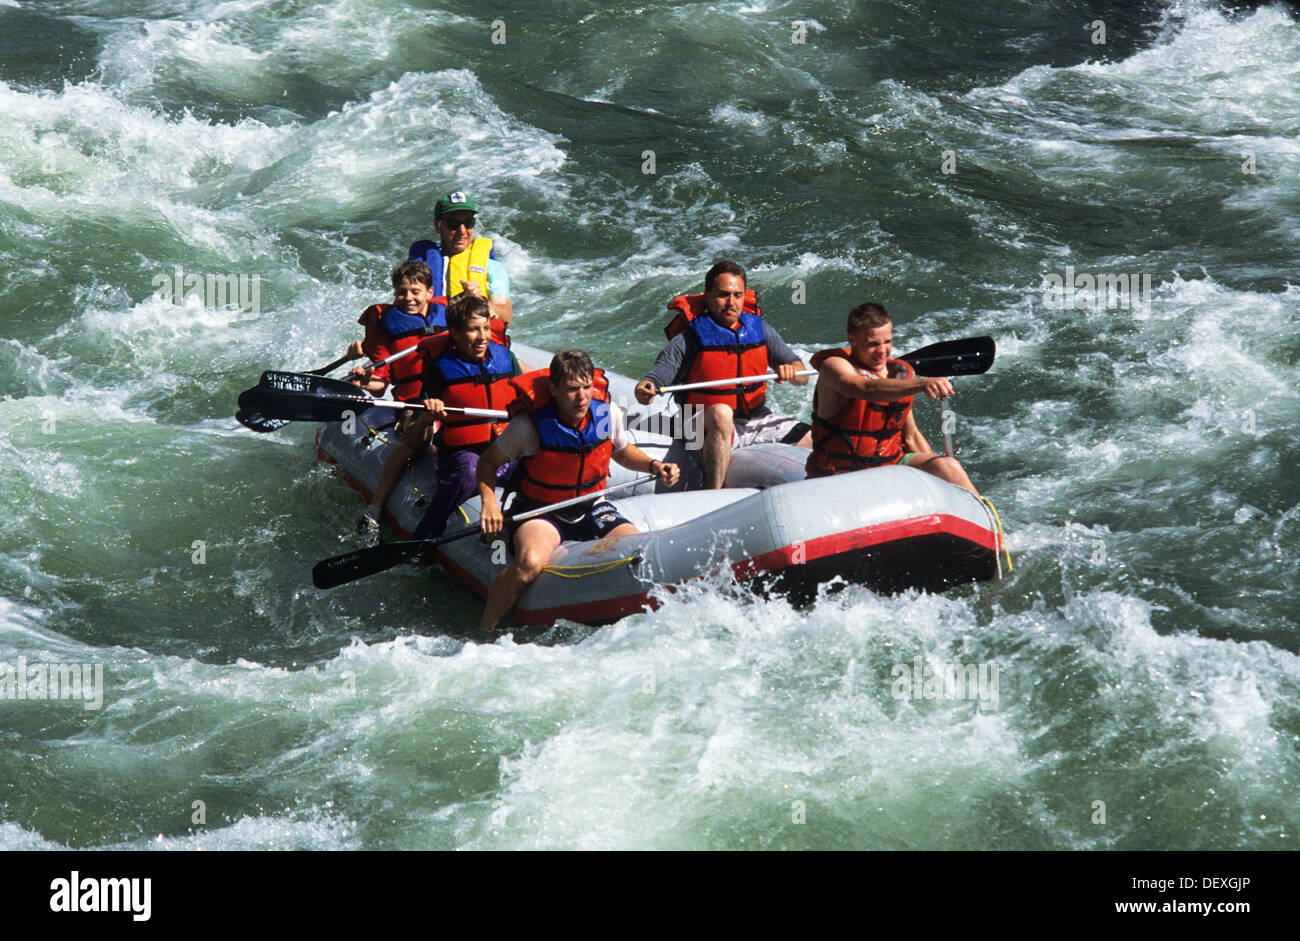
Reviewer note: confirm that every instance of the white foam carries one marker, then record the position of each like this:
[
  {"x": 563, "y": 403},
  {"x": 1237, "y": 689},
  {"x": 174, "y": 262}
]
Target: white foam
[
  {"x": 246, "y": 50},
  {"x": 318, "y": 831}
]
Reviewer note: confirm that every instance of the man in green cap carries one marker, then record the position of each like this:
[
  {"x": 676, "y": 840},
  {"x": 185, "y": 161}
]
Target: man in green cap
[
  {"x": 460, "y": 261},
  {"x": 460, "y": 264}
]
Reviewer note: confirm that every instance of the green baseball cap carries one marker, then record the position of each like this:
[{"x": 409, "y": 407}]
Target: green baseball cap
[{"x": 451, "y": 203}]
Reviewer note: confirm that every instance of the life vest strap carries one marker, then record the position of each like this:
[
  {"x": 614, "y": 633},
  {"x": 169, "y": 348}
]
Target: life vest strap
[
  {"x": 872, "y": 461},
  {"x": 580, "y": 487},
  {"x": 575, "y": 448},
  {"x": 483, "y": 379},
  {"x": 856, "y": 433}
]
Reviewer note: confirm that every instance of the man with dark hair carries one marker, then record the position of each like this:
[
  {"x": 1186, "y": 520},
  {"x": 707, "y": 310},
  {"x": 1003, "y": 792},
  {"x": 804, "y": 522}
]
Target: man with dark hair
[
  {"x": 862, "y": 406},
  {"x": 565, "y": 435},
  {"x": 733, "y": 340}
]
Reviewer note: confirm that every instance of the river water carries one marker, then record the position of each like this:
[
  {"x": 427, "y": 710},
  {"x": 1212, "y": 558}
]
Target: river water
[{"x": 955, "y": 163}]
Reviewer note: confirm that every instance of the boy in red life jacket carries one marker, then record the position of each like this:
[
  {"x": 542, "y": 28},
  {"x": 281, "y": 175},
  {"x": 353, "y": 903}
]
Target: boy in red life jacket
[
  {"x": 473, "y": 370},
  {"x": 467, "y": 367},
  {"x": 564, "y": 446},
  {"x": 862, "y": 405},
  {"x": 391, "y": 328},
  {"x": 728, "y": 343}
]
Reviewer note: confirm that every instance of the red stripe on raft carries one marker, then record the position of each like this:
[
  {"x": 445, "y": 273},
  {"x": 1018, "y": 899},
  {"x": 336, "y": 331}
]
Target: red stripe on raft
[
  {"x": 612, "y": 609},
  {"x": 896, "y": 530},
  {"x": 893, "y": 531}
]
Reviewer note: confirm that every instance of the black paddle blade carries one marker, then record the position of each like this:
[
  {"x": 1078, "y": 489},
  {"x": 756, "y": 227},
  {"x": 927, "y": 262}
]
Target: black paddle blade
[
  {"x": 280, "y": 380},
  {"x": 250, "y": 416},
  {"x": 303, "y": 406},
  {"x": 256, "y": 421},
  {"x": 297, "y": 396},
  {"x": 362, "y": 562},
  {"x": 968, "y": 357}
]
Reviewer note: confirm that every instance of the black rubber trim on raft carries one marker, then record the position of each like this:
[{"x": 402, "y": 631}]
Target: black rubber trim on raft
[{"x": 933, "y": 563}]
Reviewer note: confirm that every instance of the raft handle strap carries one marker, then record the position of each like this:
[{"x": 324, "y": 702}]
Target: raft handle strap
[{"x": 1002, "y": 537}]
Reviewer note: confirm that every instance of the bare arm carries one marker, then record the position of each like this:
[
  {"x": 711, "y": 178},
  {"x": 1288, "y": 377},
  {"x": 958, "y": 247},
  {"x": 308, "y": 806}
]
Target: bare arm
[
  {"x": 786, "y": 373},
  {"x": 491, "y": 520},
  {"x": 633, "y": 458},
  {"x": 501, "y": 308},
  {"x": 844, "y": 380},
  {"x": 913, "y": 441}
]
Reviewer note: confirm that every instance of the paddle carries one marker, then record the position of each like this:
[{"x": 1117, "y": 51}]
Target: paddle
[
  {"x": 740, "y": 380},
  {"x": 359, "y": 563},
  {"x": 251, "y": 418},
  {"x": 249, "y": 400},
  {"x": 968, "y": 357},
  {"x": 300, "y": 396}
]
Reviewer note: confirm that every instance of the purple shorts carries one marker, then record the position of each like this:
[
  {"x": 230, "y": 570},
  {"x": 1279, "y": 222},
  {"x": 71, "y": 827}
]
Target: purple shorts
[{"x": 457, "y": 482}]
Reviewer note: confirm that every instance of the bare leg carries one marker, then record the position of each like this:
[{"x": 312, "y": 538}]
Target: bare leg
[
  {"x": 535, "y": 541},
  {"x": 945, "y": 468},
  {"x": 416, "y": 437},
  {"x": 716, "y": 454}
]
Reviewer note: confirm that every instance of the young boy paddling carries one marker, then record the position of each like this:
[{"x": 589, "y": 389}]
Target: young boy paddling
[
  {"x": 565, "y": 444},
  {"x": 471, "y": 368},
  {"x": 467, "y": 367},
  {"x": 393, "y": 328},
  {"x": 862, "y": 405}
]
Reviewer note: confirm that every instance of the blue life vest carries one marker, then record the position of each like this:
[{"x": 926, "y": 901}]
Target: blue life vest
[
  {"x": 400, "y": 325},
  {"x": 569, "y": 461},
  {"x": 721, "y": 353},
  {"x": 467, "y": 383}
]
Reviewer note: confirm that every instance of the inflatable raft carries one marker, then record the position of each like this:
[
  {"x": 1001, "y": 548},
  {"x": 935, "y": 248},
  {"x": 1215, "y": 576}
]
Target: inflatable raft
[{"x": 890, "y": 528}]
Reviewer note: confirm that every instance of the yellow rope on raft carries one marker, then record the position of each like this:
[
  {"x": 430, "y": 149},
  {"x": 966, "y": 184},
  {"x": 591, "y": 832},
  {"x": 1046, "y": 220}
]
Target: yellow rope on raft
[
  {"x": 374, "y": 433},
  {"x": 1001, "y": 535},
  {"x": 596, "y": 568},
  {"x": 414, "y": 486},
  {"x": 410, "y": 468}
]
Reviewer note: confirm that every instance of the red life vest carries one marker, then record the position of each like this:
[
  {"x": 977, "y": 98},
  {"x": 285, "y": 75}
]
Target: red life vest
[
  {"x": 466, "y": 383},
  {"x": 728, "y": 353},
  {"x": 434, "y": 346},
  {"x": 533, "y": 390},
  {"x": 690, "y": 306},
  {"x": 406, "y": 375},
  {"x": 569, "y": 461},
  {"x": 861, "y": 434},
  {"x": 404, "y": 331}
]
